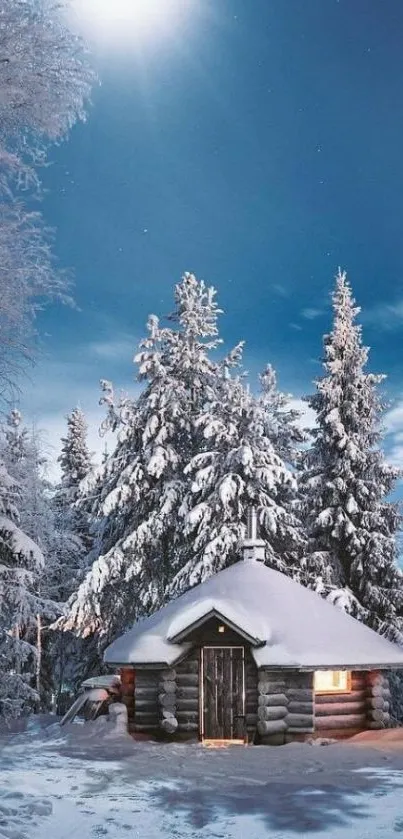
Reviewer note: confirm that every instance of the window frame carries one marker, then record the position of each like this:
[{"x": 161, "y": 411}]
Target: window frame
[{"x": 333, "y": 691}]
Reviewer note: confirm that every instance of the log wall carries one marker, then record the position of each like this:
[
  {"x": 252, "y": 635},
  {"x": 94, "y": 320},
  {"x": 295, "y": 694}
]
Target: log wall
[
  {"x": 187, "y": 695},
  {"x": 377, "y": 700},
  {"x": 127, "y": 680},
  {"x": 339, "y": 715},
  {"x": 251, "y": 695},
  {"x": 167, "y": 701},
  {"x": 272, "y": 707},
  {"x": 366, "y": 705},
  {"x": 146, "y": 702}
]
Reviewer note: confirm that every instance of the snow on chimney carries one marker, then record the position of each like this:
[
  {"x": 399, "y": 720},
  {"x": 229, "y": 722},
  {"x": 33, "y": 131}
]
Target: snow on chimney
[{"x": 253, "y": 548}]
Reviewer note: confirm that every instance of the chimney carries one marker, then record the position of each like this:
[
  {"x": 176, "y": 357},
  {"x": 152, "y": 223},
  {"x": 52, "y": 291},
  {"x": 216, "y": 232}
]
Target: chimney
[{"x": 253, "y": 548}]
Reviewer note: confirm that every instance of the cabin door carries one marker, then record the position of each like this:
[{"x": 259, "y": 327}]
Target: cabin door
[{"x": 223, "y": 693}]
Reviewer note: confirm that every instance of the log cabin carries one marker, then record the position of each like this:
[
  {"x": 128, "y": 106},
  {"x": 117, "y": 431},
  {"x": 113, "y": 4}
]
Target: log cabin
[{"x": 250, "y": 655}]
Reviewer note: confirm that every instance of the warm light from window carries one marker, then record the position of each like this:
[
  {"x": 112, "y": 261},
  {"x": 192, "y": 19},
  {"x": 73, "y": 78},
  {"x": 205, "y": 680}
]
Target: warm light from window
[
  {"x": 221, "y": 628},
  {"x": 332, "y": 681}
]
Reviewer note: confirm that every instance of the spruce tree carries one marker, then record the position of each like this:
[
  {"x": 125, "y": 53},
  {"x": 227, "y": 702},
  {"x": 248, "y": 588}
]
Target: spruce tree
[
  {"x": 138, "y": 491},
  {"x": 345, "y": 483},
  {"x": 75, "y": 463},
  {"x": 21, "y": 564},
  {"x": 246, "y": 450}
]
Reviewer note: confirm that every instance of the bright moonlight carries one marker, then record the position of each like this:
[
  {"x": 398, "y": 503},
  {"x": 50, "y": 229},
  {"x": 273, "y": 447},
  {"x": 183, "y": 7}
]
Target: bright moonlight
[{"x": 135, "y": 19}]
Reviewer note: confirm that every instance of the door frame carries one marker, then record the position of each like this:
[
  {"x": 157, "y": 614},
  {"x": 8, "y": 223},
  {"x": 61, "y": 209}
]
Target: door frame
[{"x": 201, "y": 680}]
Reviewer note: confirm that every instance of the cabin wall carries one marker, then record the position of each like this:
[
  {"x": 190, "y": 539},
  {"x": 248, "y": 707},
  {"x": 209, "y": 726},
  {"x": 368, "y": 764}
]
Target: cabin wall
[
  {"x": 378, "y": 700},
  {"x": 339, "y": 715},
  {"x": 146, "y": 704},
  {"x": 285, "y": 706},
  {"x": 280, "y": 705},
  {"x": 188, "y": 695},
  {"x": 251, "y": 694}
]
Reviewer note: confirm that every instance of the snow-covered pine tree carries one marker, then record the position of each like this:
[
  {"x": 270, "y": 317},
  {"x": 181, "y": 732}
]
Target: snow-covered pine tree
[
  {"x": 75, "y": 463},
  {"x": 248, "y": 444},
  {"x": 141, "y": 486},
  {"x": 283, "y": 426},
  {"x": 345, "y": 483},
  {"x": 21, "y": 564},
  {"x": 57, "y": 658}
]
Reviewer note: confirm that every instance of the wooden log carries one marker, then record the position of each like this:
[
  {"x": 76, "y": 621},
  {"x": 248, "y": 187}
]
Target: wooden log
[
  {"x": 143, "y": 718},
  {"x": 186, "y": 704},
  {"x": 375, "y": 702},
  {"x": 295, "y": 707},
  {"x": 251, "y": 719},
  {"x": 347, "y": 721},
  {"x": 167, "y": 700},
  {"x": 143, "y": 704},
  {"x": 187, "y": 667},
  {"x": 376, "y": 678},
  {"x": 378, "y": 690},
  {"x": 267, "y": 674},
  {"x": 271, "y": 726},
  {"x": 188, "y": 726},
  {"x": 168, "y": 675},
  {"x": 187, "y": 716},
  {"x": 145, "y": 729},
  {"x": 188, "y": 693},
  {"x": 267, "y": 712},
  {"x": 339, "y": 733},
  {"x": 150, "y": 688},
  {"x": 273, "y": 699},
  {"x": 340, "y": 708},
  {"x": 298, "y": 720},
  {"x": 358, "y": 679},
  {"x": 187, "y": 679},
  {"x": 300, "y": 694},
  {"x": 147, "y": 679},
  {"x": 377, "y": 725},
  {"x": 269, "y": 688},
  {"x": 352, "y": 696},
  {"x": 169, "y": 725},
  {"x": 168, "y": 687},
  {"x": 308, "y": 729},
  {"x": 273, "y": 739},
  {"x": 380, "y": 716}
]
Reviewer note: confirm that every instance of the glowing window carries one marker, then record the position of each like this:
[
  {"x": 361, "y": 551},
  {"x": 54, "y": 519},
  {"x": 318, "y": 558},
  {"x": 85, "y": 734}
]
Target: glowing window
[{"x": 332, "y": 681}]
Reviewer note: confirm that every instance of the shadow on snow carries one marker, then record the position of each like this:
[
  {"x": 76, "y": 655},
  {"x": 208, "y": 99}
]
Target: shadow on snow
[{"x": 288, "y": 805}]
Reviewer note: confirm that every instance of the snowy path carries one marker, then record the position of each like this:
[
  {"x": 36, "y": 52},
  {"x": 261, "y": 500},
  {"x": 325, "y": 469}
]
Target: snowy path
[{"x": 75, "y": 787}]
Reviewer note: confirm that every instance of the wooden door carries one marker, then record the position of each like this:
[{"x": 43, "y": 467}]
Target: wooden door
[{"x": 223, "y": 693}]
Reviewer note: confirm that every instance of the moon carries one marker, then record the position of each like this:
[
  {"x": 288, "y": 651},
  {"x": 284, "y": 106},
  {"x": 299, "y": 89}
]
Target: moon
[{"x": 139, "y": 20}]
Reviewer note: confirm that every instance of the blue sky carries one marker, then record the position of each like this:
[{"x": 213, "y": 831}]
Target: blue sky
[{"x": 256, "y": 144}]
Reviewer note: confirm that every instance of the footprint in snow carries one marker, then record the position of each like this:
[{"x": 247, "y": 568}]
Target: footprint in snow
[
  {"x": 398, "y": 826},
  {"x": 99, "y": 830}
]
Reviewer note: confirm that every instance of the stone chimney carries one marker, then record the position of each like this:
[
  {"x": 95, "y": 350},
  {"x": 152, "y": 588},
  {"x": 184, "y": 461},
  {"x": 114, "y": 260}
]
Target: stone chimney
[{"x": 253, "y": 548}]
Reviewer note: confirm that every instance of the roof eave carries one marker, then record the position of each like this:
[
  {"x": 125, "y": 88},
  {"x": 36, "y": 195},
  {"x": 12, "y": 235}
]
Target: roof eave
[{"x": 181, "y": 636}]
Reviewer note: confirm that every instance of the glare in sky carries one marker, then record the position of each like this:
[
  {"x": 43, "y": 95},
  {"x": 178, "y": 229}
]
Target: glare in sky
[{"x": 143, "y": 20}]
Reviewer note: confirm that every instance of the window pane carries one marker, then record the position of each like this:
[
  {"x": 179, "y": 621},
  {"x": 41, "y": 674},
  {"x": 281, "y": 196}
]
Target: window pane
[{"x": 328, "y": 681}]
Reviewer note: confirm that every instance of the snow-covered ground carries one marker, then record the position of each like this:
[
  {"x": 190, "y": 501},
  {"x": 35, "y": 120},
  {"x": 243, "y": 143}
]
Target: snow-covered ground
[{"x": 83, "y": 783}]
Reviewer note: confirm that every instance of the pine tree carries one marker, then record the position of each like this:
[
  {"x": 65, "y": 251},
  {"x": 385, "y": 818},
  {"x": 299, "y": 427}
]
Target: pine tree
[
  {"x": 248, "y": 445},
  {"x": 21, "y": 563},
  {"x": 345, "y": 483},
  {"x": 61, "y": 549},
  {"x": 139, "y": 490},
  {"x": 75, "y": 462}
]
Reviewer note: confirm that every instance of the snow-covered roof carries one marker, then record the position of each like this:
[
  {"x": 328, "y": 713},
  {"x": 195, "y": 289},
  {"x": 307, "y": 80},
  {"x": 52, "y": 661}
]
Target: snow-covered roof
[{"x": 288, "y": 625}]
